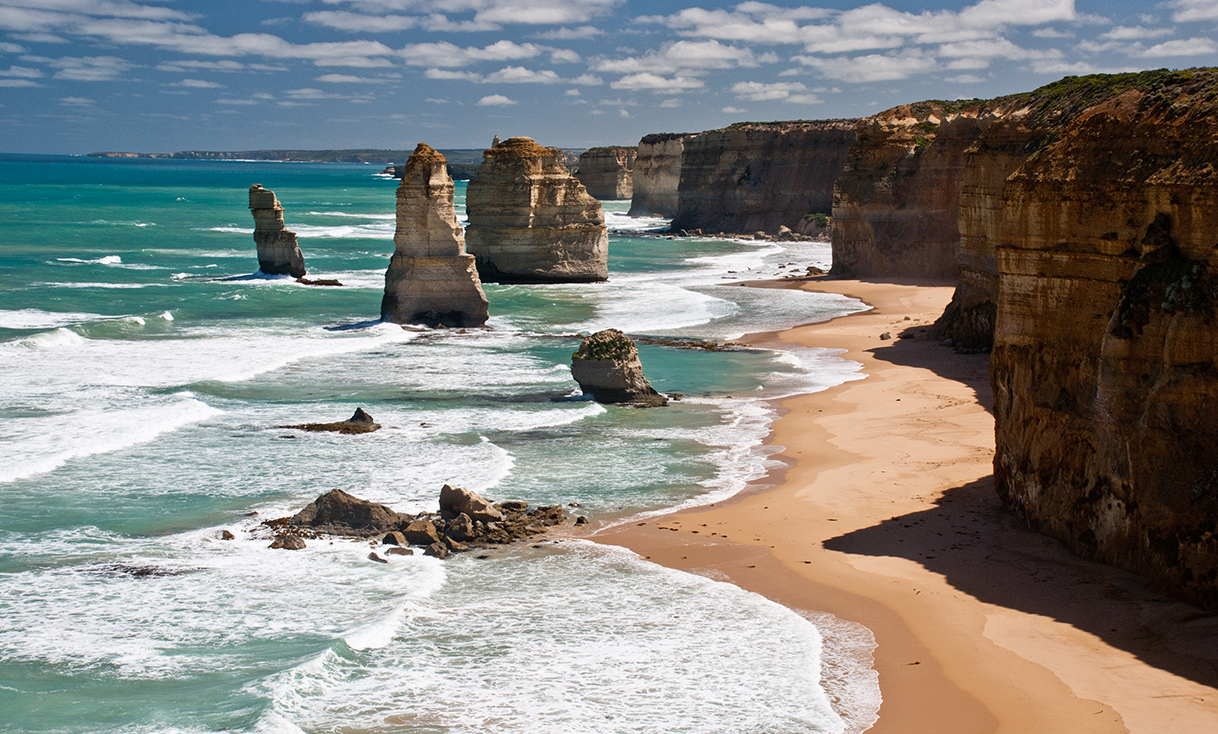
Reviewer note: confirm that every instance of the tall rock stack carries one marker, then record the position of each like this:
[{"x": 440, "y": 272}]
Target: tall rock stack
[
  {"x": 531, "y": 221},
  {"x": 656, "y": 176},
  {"x": 607, "y": 173},
  {"x": 430, "y": 280},
  {"x": 278, "y": 253}
]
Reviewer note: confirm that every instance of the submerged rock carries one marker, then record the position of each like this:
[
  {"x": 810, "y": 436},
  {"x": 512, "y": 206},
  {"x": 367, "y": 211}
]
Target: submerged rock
[
  {"x": 338, "y": 513},
  {"x": 360, "y": 422},
  {"x": 278, "y": 252},
  {"x": 531, "y": 221},
  {"x": 607, "y": 367},
  {"x": 430, "y": 280}
]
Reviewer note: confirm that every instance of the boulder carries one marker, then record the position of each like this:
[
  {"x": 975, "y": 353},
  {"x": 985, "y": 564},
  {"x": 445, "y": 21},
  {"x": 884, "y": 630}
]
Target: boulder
[
  {"x": 420, "y": 532},
  {"x": 437, "y": 550},
  {"x": 430, "y": 280},
  {"x": 288, "y": 542},
  {"x": 607, "y": 367},
  {"x": 395, "y": 538},
  {"x": 531, "y": 221},
  {"x": 278, "y": 252},
  {"x": 460, "y": 527},
  {"x": 455, "y": 502},
  {"x": 399, "y": 552},
  {"x": 360, "y": 422},
  {"x": 338, "y": 513},
  {"x": 374, "y": 557}
]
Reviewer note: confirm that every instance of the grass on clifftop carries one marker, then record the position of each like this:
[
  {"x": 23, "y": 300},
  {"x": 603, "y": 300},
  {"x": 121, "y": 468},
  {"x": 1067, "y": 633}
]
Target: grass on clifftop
[
  {"x": 607, "y": 344},
  {"x": 1072, "y": 95}
]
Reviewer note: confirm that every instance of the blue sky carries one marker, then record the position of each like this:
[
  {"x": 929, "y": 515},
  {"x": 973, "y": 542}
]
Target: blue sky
[{"x": 163, "y": 75}]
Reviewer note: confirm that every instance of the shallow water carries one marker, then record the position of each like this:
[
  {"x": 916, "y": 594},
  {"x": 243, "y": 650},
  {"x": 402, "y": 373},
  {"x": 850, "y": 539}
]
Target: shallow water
[{"x": 146, "y": 369}]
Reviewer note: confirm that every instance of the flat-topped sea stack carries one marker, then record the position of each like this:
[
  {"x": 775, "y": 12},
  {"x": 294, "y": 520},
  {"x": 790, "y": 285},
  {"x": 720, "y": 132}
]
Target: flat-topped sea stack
[
  {"x": 431, "y": 280},
  {"x": 607, "y": 367},
  {"x": 278, "y": 253},
  {"x": 761, "y": 176},
  {"x": 657, "y": 175},
  {"x": 531, "y": 221},
  {"x": 607, "y": 173}
]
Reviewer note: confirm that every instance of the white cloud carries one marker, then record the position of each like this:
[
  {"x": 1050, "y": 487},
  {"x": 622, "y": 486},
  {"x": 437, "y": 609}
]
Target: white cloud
[
  {"x": 521, "y": 75},
  {"x": 1051, "y": 33},
  {"x": 1079, "y": 67},
  {"x": 1187, "y": 10},
  {"x": 237, "y": 102},
  {"x": 348, "y": 79},
  {"x": 11, "y": 48},
  {"x": 356, "y": 22},
  {"x": 91, "y": 68},
  {"x": 570, "y": 34},
  {"x": 198, "y": 84},
  {"x": 488, "y": 13},
  {"x": 873, "y": 67},
  {"x": 76, "y": 102},
  {"x": 1123, "y": 33},
  {"x": 672, "y": 103},
  {"x": 1181, "y": 47},
  {"x": 682, "y": 57},
  {"x": 564, "y": 56},
  {"x": 588, "y": 80},
  {"x": 733, "y": 110},
  {"x": 468, "y": 76},
  {"x": 623, "y": 113},
  {"x": 18, "y": 83},
  {"x": 656, "y": 83},
  {"x": 495, "y": 100},
  {"x": 781, "y": 91},
  {"x": 572, "y": 93},
  {"x": 225, "y": 65},
  {"x": 964, "y": 79},
  {"x": 22, "y": 72},
  {"x": 445, "y": 54}
]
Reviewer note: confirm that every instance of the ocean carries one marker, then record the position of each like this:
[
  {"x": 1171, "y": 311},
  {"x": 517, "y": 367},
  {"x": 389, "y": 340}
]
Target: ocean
[{"x": 146, "y": 368}]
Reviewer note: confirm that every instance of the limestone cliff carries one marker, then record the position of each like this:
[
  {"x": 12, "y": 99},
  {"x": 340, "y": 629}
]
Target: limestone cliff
[
  {"x": 278, "y": 253},
  {"x": 430, "y": 280},
  {"x": 896, "y": 203},
  {"x": 607, "y": 173},
  {"x": 761, "y": 176},
  {"x": 1105, "y": 342},
  {"x": 657, "y": 175},
  {"x": 531, "y": 221}
]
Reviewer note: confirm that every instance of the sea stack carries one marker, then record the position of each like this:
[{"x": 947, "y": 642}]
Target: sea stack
[
  {"x": 278, "y": 253},
  {"x": 607, "y": 367},
  {"x": 531, "y": 221},
  {"x": 430, "y": 280},
  {"x": 656, "y": 175},
  {"x": 607, "y": 173}
]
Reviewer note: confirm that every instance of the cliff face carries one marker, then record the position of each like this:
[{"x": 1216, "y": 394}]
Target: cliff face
[
  {"x": 430, "y": 279},
  {"x": 761, "y": 176},
  {"x": 607, "y": 173},
  {"x": 531, "y": 221},
  {"x": 896, "y": 203},
  {"x": 657, "y": 175},
  {"x": 278, "y": 252},
  {"x": 1105, "y": 334}
]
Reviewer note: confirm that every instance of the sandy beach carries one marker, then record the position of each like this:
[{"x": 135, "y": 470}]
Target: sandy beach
[{"x": 885, "y": 515}]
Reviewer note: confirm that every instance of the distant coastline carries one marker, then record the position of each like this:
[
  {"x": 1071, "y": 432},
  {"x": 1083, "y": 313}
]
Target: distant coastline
[{"x": 456, "y": 156}]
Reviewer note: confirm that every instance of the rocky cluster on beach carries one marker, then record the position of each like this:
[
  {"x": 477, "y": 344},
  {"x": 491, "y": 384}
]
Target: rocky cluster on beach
[
  {"x": 430, "y": 280},
  {"x": 607, "y": 367},
  {"x": 531, "y": 221},
  {"x": 607, "y": 173},
  {"x": 466, "y": 521},
  {"x": 278, "y": 252}
]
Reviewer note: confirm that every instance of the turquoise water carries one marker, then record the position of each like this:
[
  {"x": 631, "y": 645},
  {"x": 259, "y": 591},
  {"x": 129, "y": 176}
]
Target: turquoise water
[{"x": 146, "y": 366}]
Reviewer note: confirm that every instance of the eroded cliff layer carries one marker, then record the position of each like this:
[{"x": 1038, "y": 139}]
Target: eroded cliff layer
[
  {"x": 607, "y": 173},
  {"x": 430, "y": 280},
  {"x": 657, "y": 175},
  {"x": 761, "y": 176},
  {"x": 1106, "y": 336},
  {"x": 531, "y": 221},
  {"x": 278, "y": 252},
  {"x": 896, "y": 204}
]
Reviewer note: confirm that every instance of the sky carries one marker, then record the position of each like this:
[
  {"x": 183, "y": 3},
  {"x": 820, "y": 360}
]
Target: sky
[{"x": 80, "y": 76}]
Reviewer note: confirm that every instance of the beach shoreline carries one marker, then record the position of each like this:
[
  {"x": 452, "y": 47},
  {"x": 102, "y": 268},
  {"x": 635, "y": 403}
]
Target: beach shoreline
[{"x": 883, "y": 513}]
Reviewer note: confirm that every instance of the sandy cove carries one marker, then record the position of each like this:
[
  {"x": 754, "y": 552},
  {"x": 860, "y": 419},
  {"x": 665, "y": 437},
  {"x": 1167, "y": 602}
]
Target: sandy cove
[{"x": 885, "y": 515}]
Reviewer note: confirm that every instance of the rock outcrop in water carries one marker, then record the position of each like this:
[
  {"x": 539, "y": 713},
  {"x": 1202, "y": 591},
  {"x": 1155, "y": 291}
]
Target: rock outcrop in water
[
  {"x": 607, "y": 173},
  {"x": 607, "y": 367},
  {"x": 531, "y": 221},
  {"x": 278, "y": 252},
  {"x": 430, "y": 280},
  {"x": 1105, "y": 357},
  {"x": 359, "y": 422},
  {"x": 754, "y": 177},
  {"x": 896, "y": 204},
  {"x": 657, "y": 175}
]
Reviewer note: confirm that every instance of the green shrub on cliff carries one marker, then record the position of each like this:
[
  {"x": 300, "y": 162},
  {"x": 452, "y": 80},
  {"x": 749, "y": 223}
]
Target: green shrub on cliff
[{"x": 607, "y": 344}]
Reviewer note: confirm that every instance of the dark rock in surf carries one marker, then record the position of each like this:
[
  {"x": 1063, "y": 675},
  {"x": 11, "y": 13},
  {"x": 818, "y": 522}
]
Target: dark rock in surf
[
  {"x": 338, "y": 513},
  {"x": 360, "y": 422}
]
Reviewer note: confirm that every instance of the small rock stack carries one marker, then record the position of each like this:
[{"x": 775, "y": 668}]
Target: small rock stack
[
  {"x": 607, "y": 367},
  {"x": 278, "y": 253}
]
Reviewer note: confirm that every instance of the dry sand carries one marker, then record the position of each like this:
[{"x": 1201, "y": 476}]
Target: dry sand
[{"x": 886, "y": 516}]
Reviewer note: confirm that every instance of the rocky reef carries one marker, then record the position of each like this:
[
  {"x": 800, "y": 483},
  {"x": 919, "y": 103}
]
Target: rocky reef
[
  {"x": 657, "y": 175},
  {"x": 466, "y": 521},
  {"x": 278, "y": 253},
  {"x": 531, "y": 221},
  {"x": 1105, "y": 336},
  {"x": 430, "y": 280},
  {"x": 754, "y": 177},
  {"x": 607, "y": 367},
  {"x": 359, "y": 422},
  {"x": 607, "y": 173},
  {"x": 896, "y": 204}
]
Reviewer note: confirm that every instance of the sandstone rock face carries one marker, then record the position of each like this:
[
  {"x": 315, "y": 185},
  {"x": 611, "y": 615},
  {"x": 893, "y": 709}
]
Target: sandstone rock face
[
  {"x": 430, "y": 280},
  {"x": 278, "y": 253},
  {"x": 1105, "y": 342},
  {"x": 761, "y": 176},
  {"x": 657, "y": 175},
  {"x": 455, "y": 502},
  {"x": 896, "y": 204},
  {"x": 531, "y": 221},
  {"x": 607, "y": 367},
  {"x": 607, "y": 173}
]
